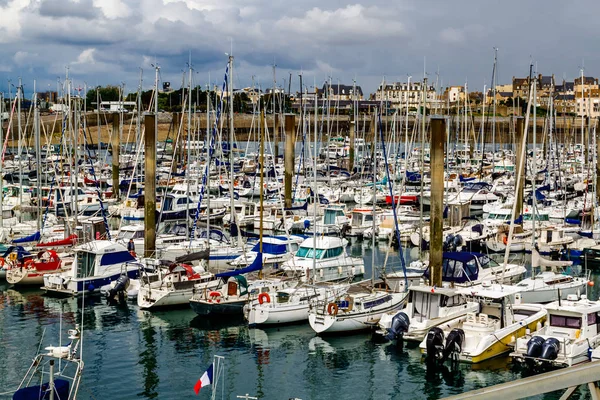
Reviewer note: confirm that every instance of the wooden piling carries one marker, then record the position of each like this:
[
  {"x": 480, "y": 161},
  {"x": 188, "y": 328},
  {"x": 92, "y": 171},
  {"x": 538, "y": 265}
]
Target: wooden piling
[
  {"x": 150, "y": 186},
  {"x": 289, "y": 157},
  {"x": 116, "y": 147},
  {"x": 436, "y": 223},
  {"x": 520, "y": 165}
]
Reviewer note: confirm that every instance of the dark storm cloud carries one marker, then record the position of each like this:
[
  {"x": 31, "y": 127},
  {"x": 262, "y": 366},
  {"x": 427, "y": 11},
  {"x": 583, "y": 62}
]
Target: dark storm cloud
[
  {"x": 106, "y": 41},
  {"x": 64, "y": 8}
]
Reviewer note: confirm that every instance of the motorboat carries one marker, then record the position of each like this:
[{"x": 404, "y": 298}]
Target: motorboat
[
  {"x": 570, "y": 334},
  {"x": 324, "y": 259},
  {"x": 427, "y": 307},
  {"x": 485, "y": 334},
  {"x": 97, "y": 263}
]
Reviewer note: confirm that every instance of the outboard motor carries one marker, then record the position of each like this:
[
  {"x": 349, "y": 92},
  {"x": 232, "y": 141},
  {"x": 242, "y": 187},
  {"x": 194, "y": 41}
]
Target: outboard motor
[
  {"x": 448, "y": 243},
  {"x": 119, "y": 289},
  {"x": 534, "y": 346},
  {"x": 457, "y": 241},
  {"x": 550, "y": 349},
  {"x": 454, "y": 343},
  {"x": 399, "y": 326},
  {"x": 434, "y": 343}
]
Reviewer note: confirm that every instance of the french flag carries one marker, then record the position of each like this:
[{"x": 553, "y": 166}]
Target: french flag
[{"x": 205, "y": 380}]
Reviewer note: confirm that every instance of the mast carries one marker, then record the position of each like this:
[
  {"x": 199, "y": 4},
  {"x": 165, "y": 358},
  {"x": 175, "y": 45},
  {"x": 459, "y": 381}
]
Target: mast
[
  {"x": 36, "y": 127},
  {"x": 315, "y": 193},
  {"x": 207, "y": 161},
  {"x": 189, "y": 129},
  {"x": 1, "y": 157},
  {"x": 261, "y": 130},
  {"x": 374, "y": 225},
  {"x": 494, "y": 113},
  {"x": 582, "y": 122},
  {"x": 422, "y": 164},
  {"x": 231, "y": 139},
  {"x": 20, "y": 97}
]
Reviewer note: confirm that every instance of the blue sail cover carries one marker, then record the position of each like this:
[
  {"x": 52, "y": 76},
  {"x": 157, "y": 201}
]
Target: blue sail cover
[
  {"x": 255, "y": 266},
  {"x": 271, "y": 248},
  {"x": 21, "y": 252},
  {"x": 461, "y": 179},
  {"x": 586, "y": 234},
  {"x": 61, "y": 391},
  {"x": 459, "y": 266},
  {"x": 302, "y": 207},
  {"x": 31, "y": 238}
]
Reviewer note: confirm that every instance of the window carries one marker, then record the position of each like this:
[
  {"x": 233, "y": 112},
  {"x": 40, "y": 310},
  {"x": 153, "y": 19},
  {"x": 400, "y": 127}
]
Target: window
[
  {"x": 85, "y": 264},
  {"x": 330, "y": 253},
  {"x": 307, "y": 252},
  {"x": 591, "y": 320},
  {"x": 565, "y": 322}
]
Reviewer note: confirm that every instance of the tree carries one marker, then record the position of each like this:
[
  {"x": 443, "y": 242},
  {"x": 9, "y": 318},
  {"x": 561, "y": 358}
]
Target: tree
[{"x": 108, "y": 93}]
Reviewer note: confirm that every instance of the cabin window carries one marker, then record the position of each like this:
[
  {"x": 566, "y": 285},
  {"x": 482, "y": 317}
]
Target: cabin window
[
  {"x": 283, "y": 297},
  {"x": 85, "y": 264},
  {"x": 591, "y": 320},
  {"x": 183, "y": 200},
  {"x": 565, "y": 322},
  {"x": 333, "y": 252},
  {"x": 231, "y": 289},
  {"x": 307, "y": 252}
]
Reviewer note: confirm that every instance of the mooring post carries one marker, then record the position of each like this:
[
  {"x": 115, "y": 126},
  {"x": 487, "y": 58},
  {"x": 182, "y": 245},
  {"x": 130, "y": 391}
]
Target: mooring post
[
  {"x": 150, "y": 186},
  {"x": 436, "y": 223}
]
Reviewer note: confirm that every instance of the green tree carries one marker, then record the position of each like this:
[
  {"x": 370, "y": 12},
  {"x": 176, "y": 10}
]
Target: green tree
[{"x": 107, "y": 93}]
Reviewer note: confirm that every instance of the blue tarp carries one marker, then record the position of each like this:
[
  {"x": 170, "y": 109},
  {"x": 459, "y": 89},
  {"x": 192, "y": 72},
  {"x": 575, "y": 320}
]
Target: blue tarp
[
  {"x": 255, "y": 266},
  {"x": 31, "y": 238}
]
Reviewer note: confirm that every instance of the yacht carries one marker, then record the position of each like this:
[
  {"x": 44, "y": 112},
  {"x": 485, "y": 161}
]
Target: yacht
[
  {"x": 324, "y": 259},
  {"x": 33, "y": 270}
]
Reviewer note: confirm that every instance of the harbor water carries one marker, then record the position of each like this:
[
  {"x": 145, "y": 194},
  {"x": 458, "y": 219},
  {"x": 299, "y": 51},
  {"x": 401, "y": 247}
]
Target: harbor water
[{"x": 135, "y": 354}]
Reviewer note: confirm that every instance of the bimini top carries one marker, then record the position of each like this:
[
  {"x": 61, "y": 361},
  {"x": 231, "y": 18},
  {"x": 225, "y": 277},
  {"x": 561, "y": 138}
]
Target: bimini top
[{"x": 460, "y": 266}]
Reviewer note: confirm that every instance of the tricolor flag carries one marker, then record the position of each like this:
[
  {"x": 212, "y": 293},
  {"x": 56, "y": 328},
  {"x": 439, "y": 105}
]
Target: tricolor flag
[{"x": 205, "y": 380}]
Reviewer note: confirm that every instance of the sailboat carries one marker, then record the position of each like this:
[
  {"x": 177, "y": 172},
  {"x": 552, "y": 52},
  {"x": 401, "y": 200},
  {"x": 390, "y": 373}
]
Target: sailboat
[{"x": 54, "y": 374}]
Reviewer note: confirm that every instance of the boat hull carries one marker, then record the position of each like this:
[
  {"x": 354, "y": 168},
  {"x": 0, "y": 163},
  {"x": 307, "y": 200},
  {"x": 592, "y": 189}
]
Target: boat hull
[{"x": 207, "y": 308}]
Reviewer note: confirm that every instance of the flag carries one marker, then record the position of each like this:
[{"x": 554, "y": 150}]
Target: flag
[{"x": 205, "y": 380}]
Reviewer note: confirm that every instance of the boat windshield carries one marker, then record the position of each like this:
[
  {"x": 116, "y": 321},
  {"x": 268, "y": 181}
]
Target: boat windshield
[
  {"x": 85, "y": 264},
  {"x": 307, "y": 252}
]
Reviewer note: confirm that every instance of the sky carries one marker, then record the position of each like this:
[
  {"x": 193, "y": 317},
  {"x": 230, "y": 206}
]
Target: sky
[{"x": 102, "y": 42}]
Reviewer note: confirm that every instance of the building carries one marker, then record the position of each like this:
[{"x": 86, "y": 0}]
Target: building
[
  {"x": 402, "y": 95},
  {"x": 588, "y": 105},
  {"x": 545, "y": 84},
  {"x": 337, "y": 92}
]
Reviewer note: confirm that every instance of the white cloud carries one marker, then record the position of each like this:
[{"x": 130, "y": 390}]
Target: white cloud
[
  {"x": 113, "y": 9},
  {"x": 23, "y": 57},
  {"x": 86, "y": 57}
]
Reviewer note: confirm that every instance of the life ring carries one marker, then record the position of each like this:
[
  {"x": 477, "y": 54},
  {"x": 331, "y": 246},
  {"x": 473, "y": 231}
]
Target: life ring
[
  {"x": 264, "y": 298},
  {"x": 214, "y": 294},
  {"x": 28, "y": 263},
  {"x": 332, "y": 309},
  {"x": 505, "y": 240},
  {"x": 2, "y": 262}
]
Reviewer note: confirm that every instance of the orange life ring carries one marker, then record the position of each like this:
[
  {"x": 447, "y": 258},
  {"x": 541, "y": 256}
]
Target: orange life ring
[
  {"x": 332, "y": 309},
  {"x": 505, "y": 240},
  {"x": 264, "y": 298}
]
